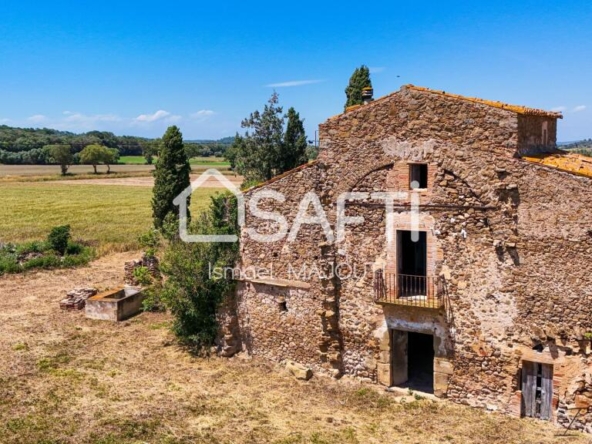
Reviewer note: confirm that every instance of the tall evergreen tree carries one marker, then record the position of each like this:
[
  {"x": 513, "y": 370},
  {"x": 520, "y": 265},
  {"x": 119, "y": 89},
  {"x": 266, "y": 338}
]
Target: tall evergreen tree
[
  {"x": 267, "y": 150},
  {"x": 293, "y": 151},
  {"x": 171, "y": 176},
  {"x": 359, "y": 80},
  {"x": 259, "y": 151}
]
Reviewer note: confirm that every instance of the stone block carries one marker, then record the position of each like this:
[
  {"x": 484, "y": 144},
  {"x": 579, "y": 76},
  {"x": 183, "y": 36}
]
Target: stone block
[
  {"x": 383, "y": 372},
  {"x": 299, "y": 371},
  {"x": 441, "y": 384},
  {"x": 582, "y": 401},
  {"x": 444, "y": 366}
]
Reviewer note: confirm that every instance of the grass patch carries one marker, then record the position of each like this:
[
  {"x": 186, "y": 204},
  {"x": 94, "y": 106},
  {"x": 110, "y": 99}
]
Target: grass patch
[
  {"x": 207, "y": 161},
  {"x": 37, "y": 254},
  {"x": 109, "y": 218}
]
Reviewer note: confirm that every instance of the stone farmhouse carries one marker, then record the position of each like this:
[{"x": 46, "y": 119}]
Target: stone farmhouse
[{"x": 481, "y": 289}]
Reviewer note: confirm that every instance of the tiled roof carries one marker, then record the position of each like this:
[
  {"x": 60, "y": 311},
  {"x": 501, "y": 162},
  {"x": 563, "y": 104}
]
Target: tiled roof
[
  {"x": 572, "y": 163},
  {"x": 514, "y": 108}
]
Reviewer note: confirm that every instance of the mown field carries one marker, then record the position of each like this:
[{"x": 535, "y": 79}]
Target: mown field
[{"x": 111, "y": 217}]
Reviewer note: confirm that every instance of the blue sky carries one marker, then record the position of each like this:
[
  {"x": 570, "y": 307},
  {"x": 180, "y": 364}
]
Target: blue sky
[{"x": 137, "y": 67}]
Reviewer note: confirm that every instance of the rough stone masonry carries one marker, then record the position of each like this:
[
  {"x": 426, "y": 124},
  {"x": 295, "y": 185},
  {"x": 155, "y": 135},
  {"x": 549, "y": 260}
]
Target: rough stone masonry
[{"x": 500, "y": 284}]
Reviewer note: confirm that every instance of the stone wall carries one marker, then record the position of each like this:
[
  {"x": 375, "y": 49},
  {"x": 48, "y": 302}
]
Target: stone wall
[{"x": 511, "y": 239}]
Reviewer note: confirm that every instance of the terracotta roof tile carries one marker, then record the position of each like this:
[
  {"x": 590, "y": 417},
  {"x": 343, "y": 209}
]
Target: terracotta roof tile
[
  {"x": 572, "y": 163},
  {"x": 514, "y": 108}
]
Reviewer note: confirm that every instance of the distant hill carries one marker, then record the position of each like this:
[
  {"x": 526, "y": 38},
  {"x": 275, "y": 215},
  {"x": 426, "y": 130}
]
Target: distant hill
[
  {"x": 585, "y": 143},
  {"x": 223, "y": 141},
  {"x": 583, "y": 147}
]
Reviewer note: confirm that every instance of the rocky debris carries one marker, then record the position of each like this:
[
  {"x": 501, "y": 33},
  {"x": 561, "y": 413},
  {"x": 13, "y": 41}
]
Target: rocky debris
[
  {"x": 150, "y": 262},
  {"x": 228, "y": 342},
  {"x": 299, "y": 371},
  {"x": 76, "y": 298}
]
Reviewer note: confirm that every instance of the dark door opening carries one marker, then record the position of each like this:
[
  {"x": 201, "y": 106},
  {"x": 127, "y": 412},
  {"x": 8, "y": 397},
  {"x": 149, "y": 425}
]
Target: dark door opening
[
  {"x": 412, "y": 360},
  {"x": 412, "y": 263}
]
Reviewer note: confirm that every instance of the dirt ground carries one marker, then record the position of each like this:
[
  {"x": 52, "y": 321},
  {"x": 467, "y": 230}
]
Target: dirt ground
[{"x": 67, "y": 379}]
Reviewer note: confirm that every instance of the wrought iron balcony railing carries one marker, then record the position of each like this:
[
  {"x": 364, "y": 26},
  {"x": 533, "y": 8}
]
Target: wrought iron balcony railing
[{"x": 404, "y": 289}]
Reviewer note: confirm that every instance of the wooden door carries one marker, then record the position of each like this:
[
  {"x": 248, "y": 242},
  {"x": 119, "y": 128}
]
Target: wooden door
[
  {"x": 399, "y": 365},
  {"x": 537, "y": 390}
]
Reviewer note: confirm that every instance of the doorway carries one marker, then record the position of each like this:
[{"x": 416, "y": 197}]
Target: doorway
[
  {"x": 411, "y": 263},
  {"x": 412, "y": 360},
  {"x": 537, "y": 390}
]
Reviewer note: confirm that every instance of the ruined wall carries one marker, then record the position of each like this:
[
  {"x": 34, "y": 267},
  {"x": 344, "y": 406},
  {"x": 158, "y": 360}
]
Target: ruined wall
[
  {"x": 511, "y": 239},
  {"x": 536, "y": 134}
]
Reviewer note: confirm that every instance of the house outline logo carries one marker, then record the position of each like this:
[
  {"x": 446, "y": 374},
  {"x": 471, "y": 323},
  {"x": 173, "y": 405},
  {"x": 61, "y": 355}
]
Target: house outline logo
[{"x": 181, "y": 202}]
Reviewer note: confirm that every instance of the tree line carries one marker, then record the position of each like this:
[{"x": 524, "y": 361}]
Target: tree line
[{"x": 29, "y": 146}]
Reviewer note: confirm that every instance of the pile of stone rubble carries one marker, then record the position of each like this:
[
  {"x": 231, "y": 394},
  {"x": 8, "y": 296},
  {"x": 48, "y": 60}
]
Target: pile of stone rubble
[
  {"x": 76, "y": 299},
  {"x": 150, "y": 262}
]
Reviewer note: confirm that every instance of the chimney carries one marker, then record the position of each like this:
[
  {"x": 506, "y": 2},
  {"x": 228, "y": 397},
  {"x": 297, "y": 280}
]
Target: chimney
[{"x": 367, "y": 94}]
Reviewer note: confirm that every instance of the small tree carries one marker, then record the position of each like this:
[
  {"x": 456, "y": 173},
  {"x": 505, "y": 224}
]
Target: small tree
[
  {"x": 359, "y": 80},
  {"x": 58, "y": 239},
  {"x": 110, "y": 157},
  {"x": 149, "y": 150},
  {"x": 171, "y": 176},
  {"x": 92, "y": 155},
  {"x": 62, "y": 155},
  {"x": 293, "y": 152}
]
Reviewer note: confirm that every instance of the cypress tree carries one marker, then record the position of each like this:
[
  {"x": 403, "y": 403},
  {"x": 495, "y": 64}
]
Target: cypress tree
[
  {"x": 359, "y": 80},
  {"x": 294, "y": 147},
  {"x": 171, "y": 176}
]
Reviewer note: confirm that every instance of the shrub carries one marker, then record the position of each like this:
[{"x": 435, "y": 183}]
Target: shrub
[
  {"x": 58, "y": 239},
  {"x": 150, "y": 241},
  {"x": 74, "y": 248},
  {"x": 142, "y": 276},
  {"x": 190, "y": 293}
]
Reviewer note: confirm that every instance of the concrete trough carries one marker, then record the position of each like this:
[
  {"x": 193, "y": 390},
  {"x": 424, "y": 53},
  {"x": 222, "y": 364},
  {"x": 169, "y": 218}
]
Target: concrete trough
[{"x": 115, "y": 305}]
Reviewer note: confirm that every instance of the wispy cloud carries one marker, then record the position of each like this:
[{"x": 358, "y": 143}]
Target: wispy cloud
[
  {"x": 158, "y": 115},
  {"x": 559, "y": 109},
  {"x": 579, "y": 108},
  {"x": 37, "y": 118},
  {"x": 90, "y": 119},
  {"x": 5, "y": 120},
  {"x": 202, "y": 114},
  {"x": 293, "y": 83},
  {"x": 376, "y": 69}
]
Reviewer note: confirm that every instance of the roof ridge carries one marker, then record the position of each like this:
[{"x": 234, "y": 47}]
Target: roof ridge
[
  {"x": 525, "y": 110},
  {"x": 282, "y": 175}
]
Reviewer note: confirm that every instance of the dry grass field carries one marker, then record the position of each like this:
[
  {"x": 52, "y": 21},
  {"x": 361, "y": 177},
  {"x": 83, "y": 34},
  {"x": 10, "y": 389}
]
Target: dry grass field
[
  {"x": 109, "y": 217},
  {"x": 69, "y": 380}
]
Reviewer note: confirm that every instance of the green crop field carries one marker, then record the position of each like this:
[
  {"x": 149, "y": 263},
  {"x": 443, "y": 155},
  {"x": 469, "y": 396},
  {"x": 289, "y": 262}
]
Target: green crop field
[
  {"x": 197, "y": 161},
  {"x": 110, "y": 217}
]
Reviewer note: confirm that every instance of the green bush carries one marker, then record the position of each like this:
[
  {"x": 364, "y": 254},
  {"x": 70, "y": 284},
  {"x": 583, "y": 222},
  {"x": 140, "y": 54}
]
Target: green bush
[
  {"x": 150, "y": 241},
  {"x": 31, "y": 247},
  {"x": 142, "y": 276},
  {"x": 13, "y": 258},
  {"x": 58, "y": 239},
  {"x": 190, "y": 293},
  {"x": 74, "y": 248}
]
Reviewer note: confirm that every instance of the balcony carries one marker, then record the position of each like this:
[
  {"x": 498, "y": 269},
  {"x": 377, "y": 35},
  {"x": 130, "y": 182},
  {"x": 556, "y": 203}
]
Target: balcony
[{"x": 403, "y": 289}]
